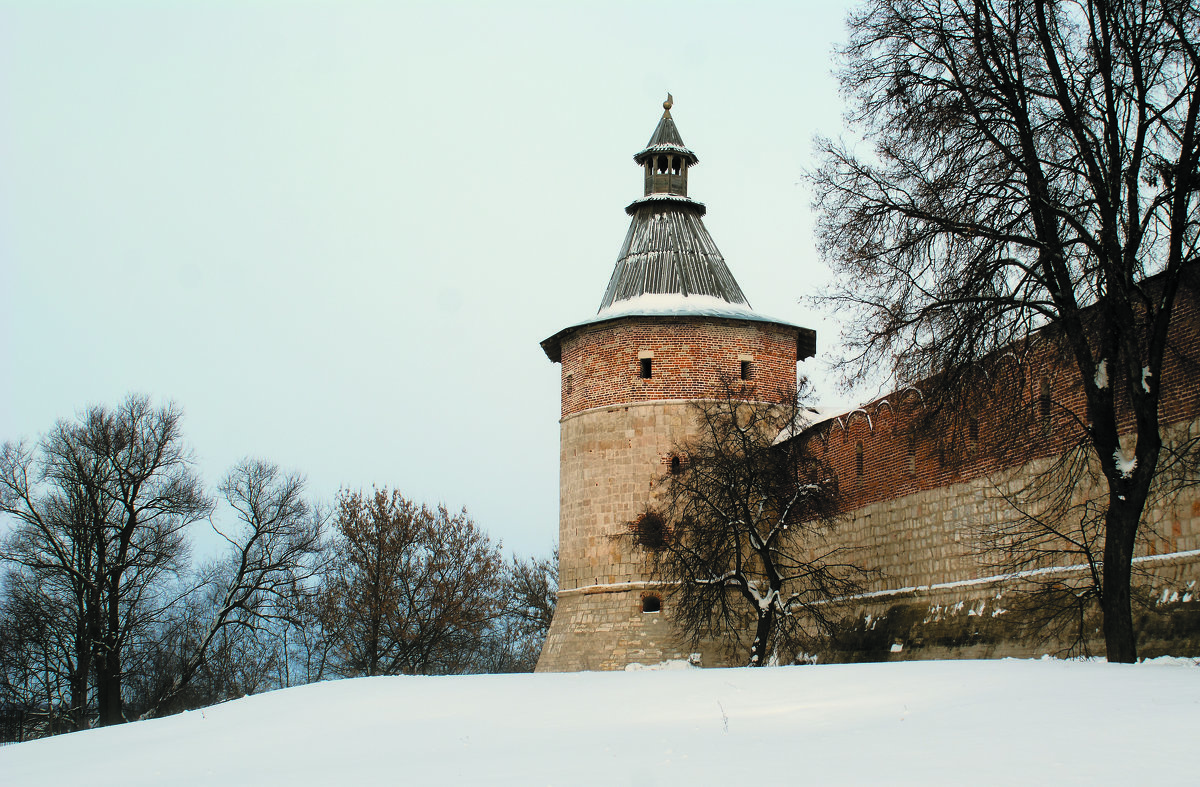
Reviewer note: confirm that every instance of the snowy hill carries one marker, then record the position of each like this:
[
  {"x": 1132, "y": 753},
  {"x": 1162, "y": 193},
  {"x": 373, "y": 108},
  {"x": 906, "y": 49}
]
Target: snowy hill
[{"x": 989, "y": 722}]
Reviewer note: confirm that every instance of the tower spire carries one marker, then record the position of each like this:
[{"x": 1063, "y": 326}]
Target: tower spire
[{"x": 668, "y": 250}]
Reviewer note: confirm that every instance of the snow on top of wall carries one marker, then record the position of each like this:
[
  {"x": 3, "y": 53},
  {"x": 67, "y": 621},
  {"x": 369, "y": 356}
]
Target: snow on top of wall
[{"x": 808, "y": 417}]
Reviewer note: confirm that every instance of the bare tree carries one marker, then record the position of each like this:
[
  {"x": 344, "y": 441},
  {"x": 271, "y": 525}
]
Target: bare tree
[
  {"x": 271, "y": 558},
  {"x": 100, "y": 510},
  {"x": 528, "y": 596},
  {"x": 531, "y": 592},
  {"x": 413, "y": 590},
  {"x": 309, "y": 631},
  {"x": 1035, "y": 163},
  {"x": 35, "y": 660},
  {"x": 741, "y": 538}
]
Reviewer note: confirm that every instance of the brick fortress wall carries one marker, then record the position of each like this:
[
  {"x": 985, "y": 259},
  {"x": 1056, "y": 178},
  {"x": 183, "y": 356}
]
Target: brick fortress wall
[
  {"x": 618, "y": 434},
  {"x": 919, "y": 491}
]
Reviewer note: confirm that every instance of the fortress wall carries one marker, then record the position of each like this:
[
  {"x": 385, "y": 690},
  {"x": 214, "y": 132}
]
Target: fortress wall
[
  {"x": 937, "y": 595},
  {"x": 933, "y": 536},
  {"x": 920, "y": 492}
]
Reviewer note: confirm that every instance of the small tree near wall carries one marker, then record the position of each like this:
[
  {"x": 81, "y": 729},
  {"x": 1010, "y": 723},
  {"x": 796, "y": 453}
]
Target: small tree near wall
[{"x": 746, "y": 516}]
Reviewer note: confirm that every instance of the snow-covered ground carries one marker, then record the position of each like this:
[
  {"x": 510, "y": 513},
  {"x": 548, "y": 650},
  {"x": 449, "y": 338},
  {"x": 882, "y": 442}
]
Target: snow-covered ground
[{"x": 948, "y": 722}]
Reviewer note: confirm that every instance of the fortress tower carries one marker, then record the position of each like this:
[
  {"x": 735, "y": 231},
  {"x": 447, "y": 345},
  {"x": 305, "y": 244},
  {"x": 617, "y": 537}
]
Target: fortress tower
[{"x": 671, "y": 325}]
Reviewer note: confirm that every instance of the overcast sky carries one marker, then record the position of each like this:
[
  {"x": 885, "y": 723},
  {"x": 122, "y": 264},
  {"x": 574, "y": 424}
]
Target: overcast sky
[{"x": 335, "y": 232}]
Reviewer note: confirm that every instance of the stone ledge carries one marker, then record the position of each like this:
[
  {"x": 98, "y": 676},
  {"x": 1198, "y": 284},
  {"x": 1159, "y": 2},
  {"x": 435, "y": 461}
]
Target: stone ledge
[
  {"x": 608, "y": 408},
  {"x": 616, "y": 587}
]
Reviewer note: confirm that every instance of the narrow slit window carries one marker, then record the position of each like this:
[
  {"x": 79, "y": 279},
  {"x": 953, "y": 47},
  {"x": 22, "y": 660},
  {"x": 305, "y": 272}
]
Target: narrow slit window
[
  {"x": 858, "y": 458},
  {"x": 645, "y": 371},
  {"x": 745, "y": 370}
]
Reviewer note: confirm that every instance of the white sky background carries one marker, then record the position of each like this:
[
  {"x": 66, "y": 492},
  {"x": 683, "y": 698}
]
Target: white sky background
[{"x": 335, "y": 232}]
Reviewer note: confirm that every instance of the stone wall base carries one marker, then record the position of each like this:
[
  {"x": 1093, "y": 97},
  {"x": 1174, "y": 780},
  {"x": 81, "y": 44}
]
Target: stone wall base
[{"x": 1003, "y": 618}]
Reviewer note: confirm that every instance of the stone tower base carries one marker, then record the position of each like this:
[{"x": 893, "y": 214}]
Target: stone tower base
[{"x": 603, "y": 628}]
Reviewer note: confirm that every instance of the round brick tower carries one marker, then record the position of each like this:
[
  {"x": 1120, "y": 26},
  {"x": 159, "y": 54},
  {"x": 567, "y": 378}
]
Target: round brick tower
[{"x": 672, "y": 325}]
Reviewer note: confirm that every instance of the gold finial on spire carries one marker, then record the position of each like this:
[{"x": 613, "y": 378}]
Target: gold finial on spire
[{"x": 670, "y": 102}]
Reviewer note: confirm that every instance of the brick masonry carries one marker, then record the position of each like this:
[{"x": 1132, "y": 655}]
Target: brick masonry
[
  {"x": 690, "y": 356},
  {"x": 1028, "y": 404}
]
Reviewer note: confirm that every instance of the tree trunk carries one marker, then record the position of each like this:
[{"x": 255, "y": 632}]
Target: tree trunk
[
  {"x": 762, "y": 636},
  {"x": 108, "y": 692},
  {"x": 1119, "y": 639},
  {"x": 78, "y": 682},
  {"x": 78, "y": 678},
  {"x": 108, "y": 668},
  {"x": 108, "y": 685}
]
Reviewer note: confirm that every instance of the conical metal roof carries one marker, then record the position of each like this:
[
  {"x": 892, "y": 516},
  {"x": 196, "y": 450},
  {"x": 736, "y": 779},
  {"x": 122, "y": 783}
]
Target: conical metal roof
[{"x": 668, "y": 251}]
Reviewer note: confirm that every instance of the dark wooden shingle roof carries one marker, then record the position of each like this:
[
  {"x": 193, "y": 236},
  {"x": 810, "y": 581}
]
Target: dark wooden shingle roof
[
  {"x": 668, "y": 250},
  {"x": 665, "y": 139}
]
